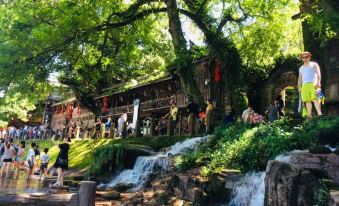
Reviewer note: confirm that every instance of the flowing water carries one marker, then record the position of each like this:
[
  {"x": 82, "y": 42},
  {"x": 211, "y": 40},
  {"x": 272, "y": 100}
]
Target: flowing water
[
  {"x": 20, "y": 185},
  {"x": 145, "y": 165},
  {"x": 250, "y": 189}
]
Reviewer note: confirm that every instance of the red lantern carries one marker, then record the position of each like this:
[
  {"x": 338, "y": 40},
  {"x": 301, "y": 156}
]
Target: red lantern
[
  {"x": 217, "y": 77},
  {"x": 78, "y": 111}
]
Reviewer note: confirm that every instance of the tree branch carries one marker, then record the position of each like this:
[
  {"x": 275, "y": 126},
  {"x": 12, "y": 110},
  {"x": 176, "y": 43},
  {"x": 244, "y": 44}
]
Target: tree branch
[{"x": 229, "y": 18}]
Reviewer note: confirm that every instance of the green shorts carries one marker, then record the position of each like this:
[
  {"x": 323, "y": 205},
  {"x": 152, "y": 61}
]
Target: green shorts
[{"x": 308, "y": 92}]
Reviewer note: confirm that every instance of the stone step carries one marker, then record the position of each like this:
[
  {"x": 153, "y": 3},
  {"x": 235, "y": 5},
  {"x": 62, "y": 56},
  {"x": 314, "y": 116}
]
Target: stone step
[{"x": 58, "y": 190}]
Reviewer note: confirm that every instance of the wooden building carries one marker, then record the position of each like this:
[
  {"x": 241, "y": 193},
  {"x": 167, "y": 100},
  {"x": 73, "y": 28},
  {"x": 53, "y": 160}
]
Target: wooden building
[{"x": 155, "y": 99}]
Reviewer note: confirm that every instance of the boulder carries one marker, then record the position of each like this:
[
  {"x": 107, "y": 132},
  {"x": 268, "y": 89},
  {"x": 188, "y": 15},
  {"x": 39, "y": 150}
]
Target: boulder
[
  {"x": 110, "y": 195},
  {"x": 286, "y": 184},
  {"x": 122, "y": 187},
  {"x": 326, "y": 164},
  {"x": 334, "y": 198}
]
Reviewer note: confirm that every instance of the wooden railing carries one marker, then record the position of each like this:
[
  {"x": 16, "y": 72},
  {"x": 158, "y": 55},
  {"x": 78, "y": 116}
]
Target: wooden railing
[{"x": 144, "y": 106}]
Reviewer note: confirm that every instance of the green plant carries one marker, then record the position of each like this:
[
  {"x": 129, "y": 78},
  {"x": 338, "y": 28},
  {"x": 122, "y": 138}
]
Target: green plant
[
  {"x": 323, "y": 195},
  {"x": 246, "y": 148}
]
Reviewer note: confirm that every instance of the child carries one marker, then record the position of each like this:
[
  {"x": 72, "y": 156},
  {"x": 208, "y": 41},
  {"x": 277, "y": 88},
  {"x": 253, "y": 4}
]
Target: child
[
  {"x": 44, "y": 157},
  {"x": 18, "y": 157},
  {"x": 31, "y": 161}
]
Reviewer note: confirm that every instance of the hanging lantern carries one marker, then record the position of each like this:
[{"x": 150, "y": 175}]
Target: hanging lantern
[
  {"x": 78, "y": 108},
  {"x": 217, "y": 77}
]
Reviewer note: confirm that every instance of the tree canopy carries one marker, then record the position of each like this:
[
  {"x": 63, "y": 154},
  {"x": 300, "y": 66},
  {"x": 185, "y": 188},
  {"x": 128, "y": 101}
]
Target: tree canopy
[{"x": 95, "y": 44}]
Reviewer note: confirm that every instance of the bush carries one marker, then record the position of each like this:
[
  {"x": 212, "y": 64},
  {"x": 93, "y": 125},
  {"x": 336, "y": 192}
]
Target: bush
[{"x": 248, "y": 148}]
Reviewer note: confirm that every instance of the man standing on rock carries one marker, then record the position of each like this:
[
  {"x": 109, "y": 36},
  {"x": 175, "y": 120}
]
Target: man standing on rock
[{"x": 309, "y": 79}]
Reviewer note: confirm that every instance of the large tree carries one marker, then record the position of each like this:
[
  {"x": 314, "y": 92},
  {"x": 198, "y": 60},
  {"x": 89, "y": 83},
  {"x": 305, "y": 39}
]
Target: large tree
[{"x": 94, "y": 44}]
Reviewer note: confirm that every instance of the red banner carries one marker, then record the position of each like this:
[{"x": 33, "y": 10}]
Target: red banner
[
  {"x": 70, "y": 111},
  {"x": 105, "y": 104},
  {"x": 78, "y": 108}
]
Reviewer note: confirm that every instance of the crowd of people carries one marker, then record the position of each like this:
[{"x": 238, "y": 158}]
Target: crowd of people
[
  {"x": 12, "y": 160},
  {"x": 26, "y": 132}
]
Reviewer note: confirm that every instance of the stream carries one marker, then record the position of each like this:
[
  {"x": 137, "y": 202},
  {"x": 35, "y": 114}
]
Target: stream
[{"x": 21, "y": 185}]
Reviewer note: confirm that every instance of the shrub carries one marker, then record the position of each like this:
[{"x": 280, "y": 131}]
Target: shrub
[{"x": 248, "y": 148}]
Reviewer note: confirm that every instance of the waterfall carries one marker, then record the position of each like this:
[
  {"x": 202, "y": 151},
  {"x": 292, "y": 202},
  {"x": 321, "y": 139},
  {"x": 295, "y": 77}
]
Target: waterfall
[
  {"x": 145, "y": 165},
  {"x": 249, "y": 190}
]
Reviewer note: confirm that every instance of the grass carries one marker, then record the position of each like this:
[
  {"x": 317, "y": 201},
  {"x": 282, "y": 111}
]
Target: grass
[
  {"x": 248, "y": 148},
  {"x": 81, "y": 151}
]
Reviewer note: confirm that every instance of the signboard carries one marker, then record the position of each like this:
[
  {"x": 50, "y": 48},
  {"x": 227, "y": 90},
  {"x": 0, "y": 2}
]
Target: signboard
[{"x": 136, "y": 104}]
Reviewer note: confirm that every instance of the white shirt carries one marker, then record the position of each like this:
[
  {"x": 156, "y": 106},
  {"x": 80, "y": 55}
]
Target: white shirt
[
  {"x": 31, "y": 155},
  {"x": 44, "y": 158},
  {"x": 308, "y": 73}
]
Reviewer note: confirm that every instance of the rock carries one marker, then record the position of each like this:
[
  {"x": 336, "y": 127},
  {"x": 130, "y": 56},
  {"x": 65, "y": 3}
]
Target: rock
[
  {"x": 161, "y": 197},
  {"x": 92, "y": 178},
  {"x": 327, "y": 164},
  {"x": 196, "y": 195},
  {"x": 110, "y": 195},
  {"x": 78, "y": 178},
  {"x": 319, "y": 149},
  {"x": 216, "y": 189},
  {"x": 334, "y": 198},
  {"x": 286, "y": 184},
  {"x": 58, "y": 190},
  {"x": 178, "y": 202},
  {"x": 122, "y": 187}
]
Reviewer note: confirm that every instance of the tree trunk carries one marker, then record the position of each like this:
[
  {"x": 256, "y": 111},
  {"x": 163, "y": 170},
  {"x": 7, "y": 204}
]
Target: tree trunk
[
  {"x": 183, "y": 57},
  {"x": 223, "y": 49}
]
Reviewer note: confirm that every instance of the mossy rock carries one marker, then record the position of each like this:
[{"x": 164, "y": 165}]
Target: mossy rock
[
  {"x": 161, "y": 197},
  {"x": 319, "y": 149}
]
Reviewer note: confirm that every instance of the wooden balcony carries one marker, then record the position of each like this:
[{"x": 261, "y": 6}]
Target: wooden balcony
[{"x": 147, "y": 106}]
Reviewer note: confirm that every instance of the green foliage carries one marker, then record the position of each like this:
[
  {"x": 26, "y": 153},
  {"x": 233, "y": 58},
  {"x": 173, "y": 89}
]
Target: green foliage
[
  {"x": 93, "y": 155},
  {"x": 74, "y": 39},
  {"x": 323, "y": 195},
  {"x": 246, "y": 148},
  {"x": 268, "y": 32},
  {"x": 323, "y": 18},
  {"x": 114, "y": 157}
]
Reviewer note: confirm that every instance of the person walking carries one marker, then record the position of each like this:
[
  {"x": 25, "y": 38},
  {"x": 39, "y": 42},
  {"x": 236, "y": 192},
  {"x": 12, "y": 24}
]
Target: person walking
[
  {"x": 31, "y": 161},
  {"x": 209, "y": 116},
  {"x": 273, "y": 112},
  {"x": 61, "y": 163},
  {"x": 7, "y": 158},
  {"x": 18, "y": 161},
  {"x": 44, "y": 164},
  {"x": 309, "y": 80}
]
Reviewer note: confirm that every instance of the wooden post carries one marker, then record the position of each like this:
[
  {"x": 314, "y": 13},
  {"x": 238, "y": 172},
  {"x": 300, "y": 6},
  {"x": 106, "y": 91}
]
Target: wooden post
[
  {"x": 191, "y": 125},
  {"x": 87, "y": 193},
  {"x": 152, "y": 127},
  {"x": 169, "y": 128},
  {"x": 111, "y": 130}
]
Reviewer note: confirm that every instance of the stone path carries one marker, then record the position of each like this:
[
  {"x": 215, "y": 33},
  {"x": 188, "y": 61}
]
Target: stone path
[{"x": 19, "y": 191}]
